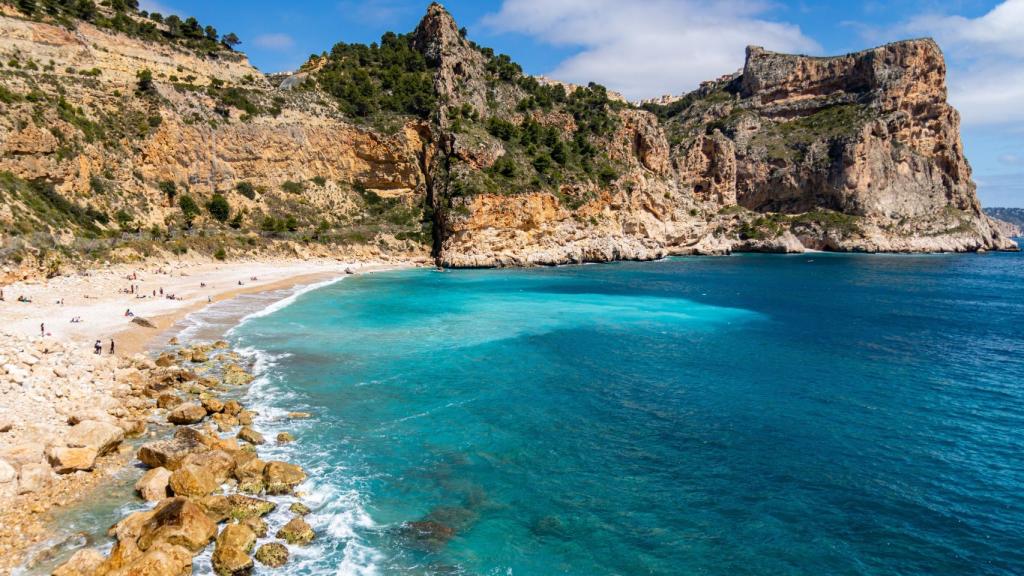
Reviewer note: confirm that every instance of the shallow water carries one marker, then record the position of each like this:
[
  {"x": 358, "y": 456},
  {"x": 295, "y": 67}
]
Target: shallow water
[{"x": 813, "y": 414}]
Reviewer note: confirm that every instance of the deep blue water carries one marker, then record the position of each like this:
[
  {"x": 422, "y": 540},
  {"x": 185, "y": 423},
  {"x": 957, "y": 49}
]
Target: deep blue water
[{"x": 813, "y": 414}]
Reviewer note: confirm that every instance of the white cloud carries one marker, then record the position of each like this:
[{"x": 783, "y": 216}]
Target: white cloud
[
  {"x": 646, "y": 49},
  {"x": 274, "y": 41},
  {"x": 153, "y": 6},
  {"x": 1011, "y": 160},
  {"x": 986, "y": 61}
]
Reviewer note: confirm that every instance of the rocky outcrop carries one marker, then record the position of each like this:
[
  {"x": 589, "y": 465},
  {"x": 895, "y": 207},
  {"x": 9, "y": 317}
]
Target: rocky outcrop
[{"x": 854, "y": 152}]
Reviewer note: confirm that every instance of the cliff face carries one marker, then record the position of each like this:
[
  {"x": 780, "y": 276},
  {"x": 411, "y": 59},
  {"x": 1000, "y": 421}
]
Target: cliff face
[
  {"x": 856, "y": 152},
  {"x": 851, "y": 153}
]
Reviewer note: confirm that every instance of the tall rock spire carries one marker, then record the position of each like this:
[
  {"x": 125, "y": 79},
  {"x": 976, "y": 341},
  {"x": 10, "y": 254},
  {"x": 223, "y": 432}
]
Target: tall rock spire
[{"x": 437, "y": 35}]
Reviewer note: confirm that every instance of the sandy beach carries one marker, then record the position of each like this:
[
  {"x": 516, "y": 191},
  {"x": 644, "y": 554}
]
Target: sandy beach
[
  {"x": 101, "y": 298},
  {"x": 50, "y": 381}
]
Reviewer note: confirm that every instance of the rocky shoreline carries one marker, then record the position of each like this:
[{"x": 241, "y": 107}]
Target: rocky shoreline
[{"x": 206, "y": 472}]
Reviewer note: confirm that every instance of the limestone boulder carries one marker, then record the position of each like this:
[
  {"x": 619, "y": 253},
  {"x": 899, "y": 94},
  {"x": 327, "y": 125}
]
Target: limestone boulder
[
  {"x": 297, "y": 531},
  {"x": 251, "y": 436},
  {"x": 103, "y": 437},
  {"x": 212, "y": 405},
  {"x": 237, "y": 536},
  {"x": 192, "y": 481},
  {"x": 161, "y": 559},
  {"x": 8, "y": 480},
  {"x": 168, "y": 401},
  {"x": 272, "y": 554},
  {"x": 154, "y": 484},
  {"x": 85, "y": 562},
  {"x": 34, "y": 477},
  {"x": 218, "y": 463},
  {"x": 179, "y": 522},
  {"x": 24, "y": 453},
  {"x": 67, "y": 460},
  {"x": 232, "y": 407},
  {"x": 229, "y": 561},
  {"x": 257, "y": 525},
  {"x": 169, "y": 453},
  {"x": 282, "y": 477},
  {"x": 188, "y": 413}
]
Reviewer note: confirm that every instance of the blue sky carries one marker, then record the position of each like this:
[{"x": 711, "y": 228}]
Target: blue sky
[{"x": 645, "y": 48}]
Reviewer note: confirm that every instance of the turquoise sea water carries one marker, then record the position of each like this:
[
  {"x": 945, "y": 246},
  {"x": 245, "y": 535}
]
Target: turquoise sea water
[{"x": 814, "y": 414}]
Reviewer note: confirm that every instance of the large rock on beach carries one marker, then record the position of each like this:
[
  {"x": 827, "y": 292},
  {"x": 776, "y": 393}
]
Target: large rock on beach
[
  {"x": 161, "y": 559},
  {"x": 251, "y": 436},
  {"x": 232, "y": 407},
  {"x": 235, "y": 375},
  {"x": 34, "y": 477},
  {"x": 154, "y": 484},
  {"x": 229, "y": 561},
  {"x": 282, "y": 477},
  {"x": 212, "y": 405},
  {"x": 167, "y": 401},
  {"x": 188, "y": 413},
  {"x": 24, "y": 453},
  {"x": 103, "y": 437},
  {"x": 237, "y": 536},
  {"x": 166, "y": 360},
  {"x": 272, "y": 554},
  {"x": 235, "y": 507},
  {"x": 297, "y": 531},
  {"x": 8, "y": 480},
  {"x": 68, "y": 460},
  {"x": 218, "y": 463},
  {"x": 85, "y": 562},
  {"x": 177, "y": 521},
  {"x": 168, "y": 453},
  {"x": 192, "y": 481}
]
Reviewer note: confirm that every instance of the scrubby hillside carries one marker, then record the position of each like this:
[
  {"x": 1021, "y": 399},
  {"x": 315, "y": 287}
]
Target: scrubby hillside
[{"x": 125, "y": 134}]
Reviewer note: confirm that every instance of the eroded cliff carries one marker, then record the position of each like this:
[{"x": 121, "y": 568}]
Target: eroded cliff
[{"x": 428, "y": 144}]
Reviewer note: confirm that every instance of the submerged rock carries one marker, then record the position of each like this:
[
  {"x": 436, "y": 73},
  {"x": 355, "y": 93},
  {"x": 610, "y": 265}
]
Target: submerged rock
[
  {"x": 284, "y": 437},
  {"x": 427, "y": 535}
]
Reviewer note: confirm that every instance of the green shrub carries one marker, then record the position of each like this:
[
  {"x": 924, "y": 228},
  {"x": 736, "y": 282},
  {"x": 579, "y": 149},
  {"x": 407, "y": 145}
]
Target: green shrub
[
  {"x": 220, "y": 254},
  {"x": 189, "y": 209},
  {"x": 219, "y": 208},
  {"x": 170, "y": 190},
  {"x": 293, "y": 187},
  {"x": 246, "y": 189}
]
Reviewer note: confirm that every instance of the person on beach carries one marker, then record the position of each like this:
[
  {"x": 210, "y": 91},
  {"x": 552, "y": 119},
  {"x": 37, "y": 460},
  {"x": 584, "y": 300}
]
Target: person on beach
[
  {"x": 98, "y": 347},
  {"x": 111, "y": 346},
  {"x": 42, "y": 329}
]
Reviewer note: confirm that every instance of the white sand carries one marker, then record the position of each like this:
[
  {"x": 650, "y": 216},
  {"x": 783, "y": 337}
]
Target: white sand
[{"x": 96, "y": 299}]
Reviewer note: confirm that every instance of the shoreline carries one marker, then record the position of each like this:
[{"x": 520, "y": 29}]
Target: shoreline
[{"x": 33, "y": 515}]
